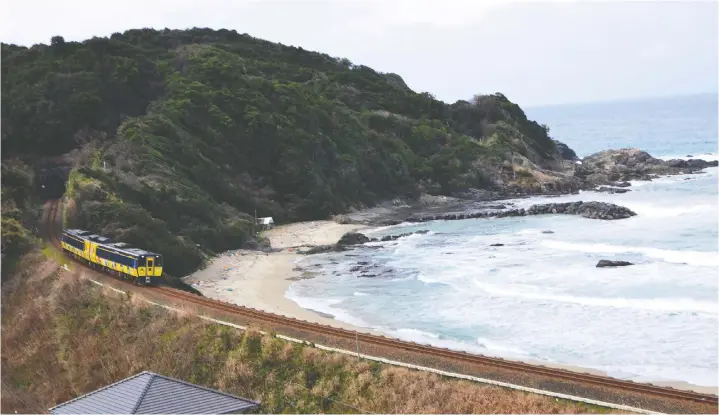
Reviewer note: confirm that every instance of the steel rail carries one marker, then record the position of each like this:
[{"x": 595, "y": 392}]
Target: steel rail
[{"x": 426, "y": 350}]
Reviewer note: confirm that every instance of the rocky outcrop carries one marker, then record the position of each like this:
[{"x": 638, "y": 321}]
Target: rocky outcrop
[
  {"x": 607, "y": 263},
  {"x": 565, "y": 152},
  {"x": 353, "y": 238},
  {"x": 625, "y": 164},
  {"x": 691, "y": 163},
  {"x": 347, "y": 240},
  {"x": 591, "y": 210},
  {"x": 365, "y": 269}
]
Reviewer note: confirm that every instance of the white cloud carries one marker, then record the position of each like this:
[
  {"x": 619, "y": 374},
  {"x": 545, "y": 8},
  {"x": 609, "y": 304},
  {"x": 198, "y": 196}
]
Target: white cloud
[
  {"x": 438, "y": 13},
  {"x": 535, "y": 52}
]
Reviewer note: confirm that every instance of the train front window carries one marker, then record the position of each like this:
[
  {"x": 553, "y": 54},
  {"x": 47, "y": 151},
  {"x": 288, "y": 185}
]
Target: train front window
[{"x": 158, "y": 261}]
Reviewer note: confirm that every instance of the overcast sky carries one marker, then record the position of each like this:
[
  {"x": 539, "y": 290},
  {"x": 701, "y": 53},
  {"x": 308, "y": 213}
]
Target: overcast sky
[{"x": 534, "y": 52}]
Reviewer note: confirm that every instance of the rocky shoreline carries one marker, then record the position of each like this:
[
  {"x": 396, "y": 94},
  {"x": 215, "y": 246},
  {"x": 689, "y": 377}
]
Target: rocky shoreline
[
  {"x": 605, "y": 172},
  {"x": 590, "y": 210},
  {"x": 608, "y": 171}
]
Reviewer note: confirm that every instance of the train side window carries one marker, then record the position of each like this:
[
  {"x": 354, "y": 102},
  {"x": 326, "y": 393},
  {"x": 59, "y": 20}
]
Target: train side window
[{"x": 74, "y": 242}]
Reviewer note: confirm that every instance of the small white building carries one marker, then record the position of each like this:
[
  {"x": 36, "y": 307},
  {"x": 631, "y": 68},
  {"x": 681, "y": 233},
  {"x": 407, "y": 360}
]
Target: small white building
[{"x": 265, "y": 223}]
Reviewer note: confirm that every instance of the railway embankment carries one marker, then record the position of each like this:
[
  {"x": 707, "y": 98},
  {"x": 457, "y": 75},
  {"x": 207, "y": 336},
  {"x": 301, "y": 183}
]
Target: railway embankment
[{"x": 63, "y": 336}]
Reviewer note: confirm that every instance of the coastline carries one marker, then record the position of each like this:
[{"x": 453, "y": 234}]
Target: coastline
[{"x": 260, "y": 280}]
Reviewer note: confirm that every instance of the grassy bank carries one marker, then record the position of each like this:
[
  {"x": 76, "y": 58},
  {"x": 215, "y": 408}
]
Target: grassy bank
[{"x": 63, "y": 337}]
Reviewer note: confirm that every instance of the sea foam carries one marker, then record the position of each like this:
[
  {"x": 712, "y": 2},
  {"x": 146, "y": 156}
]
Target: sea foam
[{"x": 679, "y": 257}]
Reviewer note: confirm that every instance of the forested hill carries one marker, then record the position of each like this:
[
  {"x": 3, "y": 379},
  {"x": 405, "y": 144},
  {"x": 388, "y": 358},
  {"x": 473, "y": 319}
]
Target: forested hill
[{"x": 178, "y": 136}]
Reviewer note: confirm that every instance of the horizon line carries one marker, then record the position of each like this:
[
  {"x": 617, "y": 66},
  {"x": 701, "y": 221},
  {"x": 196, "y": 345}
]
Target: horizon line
[{"x": 625, "y": 99}]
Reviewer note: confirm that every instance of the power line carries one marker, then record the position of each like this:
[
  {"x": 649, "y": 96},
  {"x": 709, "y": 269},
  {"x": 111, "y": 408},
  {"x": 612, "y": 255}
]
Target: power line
[
  {"x": 18, "y": 398},
  {"x": 333, "y": 400}
]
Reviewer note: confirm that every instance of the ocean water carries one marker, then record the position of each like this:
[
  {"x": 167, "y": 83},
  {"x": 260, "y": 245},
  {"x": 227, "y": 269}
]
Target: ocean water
[{"x": 540, "y": 295}]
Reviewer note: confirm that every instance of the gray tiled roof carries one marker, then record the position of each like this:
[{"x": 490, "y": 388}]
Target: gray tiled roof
[{"x": 150, "y": 393}]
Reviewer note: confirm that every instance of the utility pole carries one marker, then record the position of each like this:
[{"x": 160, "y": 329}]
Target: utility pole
[{"x": 254, "y": 223}]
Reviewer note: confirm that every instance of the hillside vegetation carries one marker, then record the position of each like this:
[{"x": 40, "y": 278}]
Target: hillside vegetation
[
  {"x": 178, "y": 137},
  {"x": 63, "y": 337},
  {"x": 18, "y": 213}
]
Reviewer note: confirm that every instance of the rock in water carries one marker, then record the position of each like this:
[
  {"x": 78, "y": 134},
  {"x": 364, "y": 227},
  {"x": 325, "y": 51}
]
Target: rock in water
[
  {"x": 591, "y": 210},
  {"x": 606, "y": 263},
  {"x": 325, "y": 248},
  {"x": 496, "y": 245},
  {"x": 624, "y": 164},
  {"x": 547, "y": 231},
  {"x": 601, "y": 210},
  {"x": 402, "y": 235},
  {"x": 611, "y": 190},
  {"x": 366, "y": 275},
  {"x": 353, "y": 238}
]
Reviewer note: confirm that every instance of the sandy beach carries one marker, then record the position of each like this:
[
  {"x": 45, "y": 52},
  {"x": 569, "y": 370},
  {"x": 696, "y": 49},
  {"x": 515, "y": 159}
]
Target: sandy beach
[{"x": 260, "y": 280}]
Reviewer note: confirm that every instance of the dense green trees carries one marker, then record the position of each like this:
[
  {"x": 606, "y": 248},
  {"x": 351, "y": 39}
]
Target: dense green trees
[
  {"x": 17, "y": 213},
  {"x": 200, "y": 128}
]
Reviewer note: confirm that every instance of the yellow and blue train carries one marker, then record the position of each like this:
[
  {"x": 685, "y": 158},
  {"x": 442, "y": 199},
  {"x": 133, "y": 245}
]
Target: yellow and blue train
[{"x": 137, "y": 265}]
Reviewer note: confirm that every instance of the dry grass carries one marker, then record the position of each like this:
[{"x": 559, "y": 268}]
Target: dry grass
[{"x": 63, "y": 337}]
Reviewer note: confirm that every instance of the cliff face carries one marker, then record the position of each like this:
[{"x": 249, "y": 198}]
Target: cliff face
[{"x": 178, "y": 137}]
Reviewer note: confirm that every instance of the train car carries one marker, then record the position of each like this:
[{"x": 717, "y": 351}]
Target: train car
[{"x": 120, "y": 259}]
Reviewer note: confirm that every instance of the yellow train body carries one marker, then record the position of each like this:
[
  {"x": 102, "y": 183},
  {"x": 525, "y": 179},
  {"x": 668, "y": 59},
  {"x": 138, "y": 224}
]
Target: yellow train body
[{"x": 137, "y": 265}]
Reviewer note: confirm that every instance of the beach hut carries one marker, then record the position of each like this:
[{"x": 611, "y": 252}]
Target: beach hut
[{"x": 265, "y": 223}]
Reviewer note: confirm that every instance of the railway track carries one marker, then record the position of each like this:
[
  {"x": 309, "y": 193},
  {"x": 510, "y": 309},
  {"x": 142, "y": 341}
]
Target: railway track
[
  {"x": 435, "y": 351},
  {"x": 52, "y": 208},
  {"x": 396, "y": 344}
]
